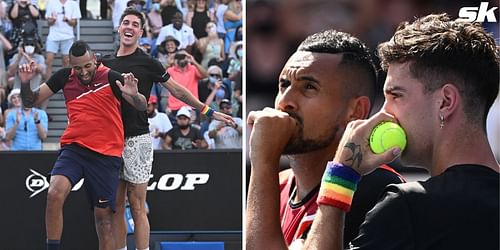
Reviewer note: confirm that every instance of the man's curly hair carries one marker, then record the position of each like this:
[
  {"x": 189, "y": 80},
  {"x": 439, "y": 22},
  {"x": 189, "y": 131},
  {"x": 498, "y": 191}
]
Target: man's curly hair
[{"x": 440, "y": 51}]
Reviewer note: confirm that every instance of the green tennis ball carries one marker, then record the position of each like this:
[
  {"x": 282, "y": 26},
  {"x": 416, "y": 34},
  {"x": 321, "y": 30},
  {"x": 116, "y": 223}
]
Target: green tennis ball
[{"x": 387, "y": 135}]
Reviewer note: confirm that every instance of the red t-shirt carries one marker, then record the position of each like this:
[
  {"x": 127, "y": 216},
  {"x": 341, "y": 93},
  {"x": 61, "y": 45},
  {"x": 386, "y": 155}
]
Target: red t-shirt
[
  {"x": 188, "y": 78},
  {"x": 297, "y": 218},
  {"x": 94, "y": 118}
]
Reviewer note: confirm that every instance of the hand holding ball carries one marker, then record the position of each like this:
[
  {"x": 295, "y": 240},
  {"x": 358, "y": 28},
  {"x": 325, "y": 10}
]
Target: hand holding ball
[{"x": 387, "y": 135}]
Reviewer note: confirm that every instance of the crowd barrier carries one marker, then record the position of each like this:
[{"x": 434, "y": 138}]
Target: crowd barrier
[{"x": 189, "y": 191}]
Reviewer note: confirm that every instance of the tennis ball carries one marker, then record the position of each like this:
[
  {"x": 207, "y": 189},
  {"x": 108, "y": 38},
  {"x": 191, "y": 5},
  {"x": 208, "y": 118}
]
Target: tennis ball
[{"x": 387, "y": 135}]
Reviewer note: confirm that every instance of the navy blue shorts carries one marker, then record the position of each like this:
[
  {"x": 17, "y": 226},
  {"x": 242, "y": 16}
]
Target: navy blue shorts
[{"x": 99, "y": 171}]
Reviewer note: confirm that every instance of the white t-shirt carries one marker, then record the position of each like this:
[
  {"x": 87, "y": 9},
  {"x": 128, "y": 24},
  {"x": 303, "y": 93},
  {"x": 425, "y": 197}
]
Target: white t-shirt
[
  {"x": 62, "y": 30},
  {"x": 227, "y": 137},
  {"x": 185, "y": 35},
  {"x": 161, "y": 123}
]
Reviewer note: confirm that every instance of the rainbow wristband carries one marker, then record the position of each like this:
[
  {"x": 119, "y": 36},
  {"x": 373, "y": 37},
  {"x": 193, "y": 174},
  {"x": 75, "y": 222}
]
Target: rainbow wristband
[
  {"x": 206, "y": 110},
  {"x": 337, "y": 186}
]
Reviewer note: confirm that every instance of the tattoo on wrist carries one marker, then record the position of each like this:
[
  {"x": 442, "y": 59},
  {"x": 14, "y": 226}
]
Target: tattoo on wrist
[{"x": 356, "y": 157}]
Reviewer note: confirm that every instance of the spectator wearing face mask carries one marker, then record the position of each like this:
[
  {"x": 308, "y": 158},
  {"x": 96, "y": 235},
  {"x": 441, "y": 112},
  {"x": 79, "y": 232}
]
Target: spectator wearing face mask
[
  {"x": 214, "y": 87},
  {"x": 211, "y": 46},
  {"x": 212, "y": 90},
  {"x": 28, "y": 51},
  {"x": 187, "y": 72},
  {"x": 184, "y": 136},
  {"x": 154, "y": 17}
]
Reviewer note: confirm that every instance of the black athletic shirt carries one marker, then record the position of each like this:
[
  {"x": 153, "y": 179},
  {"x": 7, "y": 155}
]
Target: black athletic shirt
[
  {"x": 458, "y": 209},
  {"x": 148, "y": 70}
]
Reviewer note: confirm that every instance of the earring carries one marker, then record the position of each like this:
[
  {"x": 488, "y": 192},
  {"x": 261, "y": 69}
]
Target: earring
[{"x": 441, "y": 121}]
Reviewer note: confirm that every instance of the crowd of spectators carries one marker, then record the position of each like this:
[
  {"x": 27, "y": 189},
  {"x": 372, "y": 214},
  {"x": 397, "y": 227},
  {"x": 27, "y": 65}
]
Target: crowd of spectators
[{"x": 199, "y": 42}]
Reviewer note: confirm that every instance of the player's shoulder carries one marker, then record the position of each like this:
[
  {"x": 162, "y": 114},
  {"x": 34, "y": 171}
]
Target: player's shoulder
[{"x": 63, "y": 72}]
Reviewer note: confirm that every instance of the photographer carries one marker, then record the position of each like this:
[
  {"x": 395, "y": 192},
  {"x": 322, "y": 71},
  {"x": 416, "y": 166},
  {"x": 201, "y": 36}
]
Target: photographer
[
  {"x": 23, "y": 16},
  {"x": 187, "y": 72}
]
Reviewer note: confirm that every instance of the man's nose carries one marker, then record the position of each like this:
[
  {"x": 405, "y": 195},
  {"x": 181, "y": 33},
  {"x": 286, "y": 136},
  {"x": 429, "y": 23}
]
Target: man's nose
[{"x": 287, "y": 100}]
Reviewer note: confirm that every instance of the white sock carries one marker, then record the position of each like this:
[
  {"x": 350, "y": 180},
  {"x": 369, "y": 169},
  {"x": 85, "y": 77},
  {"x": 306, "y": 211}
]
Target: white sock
[
  {"x": 125, "y": 248},
  {"x": 138, "y": 249}
]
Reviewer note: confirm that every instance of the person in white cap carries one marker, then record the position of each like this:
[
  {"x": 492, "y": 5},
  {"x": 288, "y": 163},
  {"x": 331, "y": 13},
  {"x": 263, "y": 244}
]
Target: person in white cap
[
  {"x": 25, "y": 127},
  {"x": 14, "y": 101},
  {"x": 184, "y": 136}
]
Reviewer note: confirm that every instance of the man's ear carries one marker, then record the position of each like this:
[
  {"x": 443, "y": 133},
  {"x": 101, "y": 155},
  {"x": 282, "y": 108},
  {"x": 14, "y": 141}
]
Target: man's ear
[
  {"x": 449, "y": 100},
  {"x": 359, "y": 108}
]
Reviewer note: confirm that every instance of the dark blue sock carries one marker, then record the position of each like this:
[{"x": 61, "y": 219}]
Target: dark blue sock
[{"x": 53, "y": 244}]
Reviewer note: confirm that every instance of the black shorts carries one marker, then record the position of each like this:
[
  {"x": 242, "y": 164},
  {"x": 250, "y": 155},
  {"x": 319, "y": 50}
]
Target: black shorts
[{"x": 99, "y": 171}]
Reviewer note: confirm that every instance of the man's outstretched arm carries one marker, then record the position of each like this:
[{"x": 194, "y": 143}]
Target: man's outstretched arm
[{"x": 183, "y": 94}]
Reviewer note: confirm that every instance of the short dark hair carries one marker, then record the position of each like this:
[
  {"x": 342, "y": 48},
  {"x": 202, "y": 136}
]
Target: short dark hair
[
  {"x": 360, "y": 72},
  {"x": 79, "y": 48},
  {"x": 135, "y": 12},
  {"x": 177, "y": 11},
  {"x": 440, "y": 51}
]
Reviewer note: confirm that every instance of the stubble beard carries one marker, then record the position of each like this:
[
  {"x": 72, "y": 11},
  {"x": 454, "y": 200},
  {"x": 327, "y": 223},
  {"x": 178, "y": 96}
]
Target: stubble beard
[{"x": 299, "y": 145}]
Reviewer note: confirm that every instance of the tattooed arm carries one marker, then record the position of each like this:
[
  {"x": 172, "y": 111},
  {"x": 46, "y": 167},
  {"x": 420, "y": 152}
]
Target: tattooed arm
[
  {"x": 138, "y": 101},
  {"x": 183, "y": 94}
]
